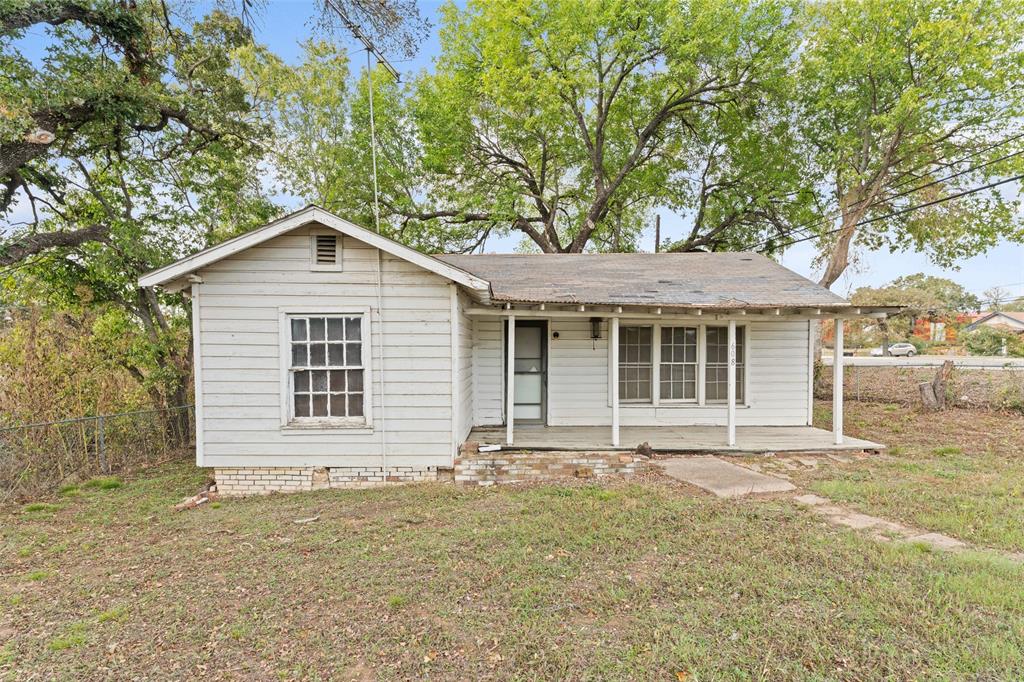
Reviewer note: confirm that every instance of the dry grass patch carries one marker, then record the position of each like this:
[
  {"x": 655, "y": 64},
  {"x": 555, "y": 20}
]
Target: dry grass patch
[
  {"x": 617, "y": 581},
  {"x": 958, "y": 472}
]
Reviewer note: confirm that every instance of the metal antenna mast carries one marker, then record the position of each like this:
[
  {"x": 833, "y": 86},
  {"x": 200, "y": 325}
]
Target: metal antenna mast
[{"x": 371, "y": 49}]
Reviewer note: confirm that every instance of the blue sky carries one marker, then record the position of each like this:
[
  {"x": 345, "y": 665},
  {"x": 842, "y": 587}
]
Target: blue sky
[{"x": 284, "y": 24}]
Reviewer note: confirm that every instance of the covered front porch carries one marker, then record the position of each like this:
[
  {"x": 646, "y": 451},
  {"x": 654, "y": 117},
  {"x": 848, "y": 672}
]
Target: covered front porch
[
  {"x": 748, "y": 439},
  {"x": 571, "y": 374}
]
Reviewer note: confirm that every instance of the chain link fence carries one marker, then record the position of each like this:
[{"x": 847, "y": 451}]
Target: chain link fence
[{"x": 38, "y": 458}]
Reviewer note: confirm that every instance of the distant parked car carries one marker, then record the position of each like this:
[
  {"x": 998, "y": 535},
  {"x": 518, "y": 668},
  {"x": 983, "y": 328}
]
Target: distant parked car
[{"x": 896, "y": 349}]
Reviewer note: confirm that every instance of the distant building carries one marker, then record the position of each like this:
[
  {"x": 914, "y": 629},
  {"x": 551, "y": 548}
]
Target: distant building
[{"x": 1013, "y": 321}]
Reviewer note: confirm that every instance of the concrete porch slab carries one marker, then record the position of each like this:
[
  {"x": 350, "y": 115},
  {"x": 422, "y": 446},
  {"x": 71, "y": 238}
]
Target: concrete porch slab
[
  {"x": 722, "y": 478},
  {"x": 674, "y": 439}
]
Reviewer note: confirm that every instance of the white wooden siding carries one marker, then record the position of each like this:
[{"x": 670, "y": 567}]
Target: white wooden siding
[
  {"x": 240, "y": 347},
  {"x": 464, "y": 359},
  {"x": 578, "y": 377},
  {"x": 488, "y": 371}
]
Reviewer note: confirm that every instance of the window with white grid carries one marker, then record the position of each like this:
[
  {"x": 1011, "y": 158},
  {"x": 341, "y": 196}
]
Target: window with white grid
[
  {"x": 635, "y": 367},
  {"x": 678, "y": 367},
  {"x": 716, "y": 381},
  {"x": 326, "y": 370}
]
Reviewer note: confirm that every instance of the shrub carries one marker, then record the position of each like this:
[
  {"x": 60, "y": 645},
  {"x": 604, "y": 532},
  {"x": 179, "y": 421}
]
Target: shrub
[{"x": 990, "y": 341}]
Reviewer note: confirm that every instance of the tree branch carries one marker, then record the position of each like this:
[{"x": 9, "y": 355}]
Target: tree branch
[{"x": 21, "y": 248}]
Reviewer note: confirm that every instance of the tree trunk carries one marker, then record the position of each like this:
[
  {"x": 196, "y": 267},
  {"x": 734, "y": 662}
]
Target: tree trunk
[{"x": 933, "y": 393}]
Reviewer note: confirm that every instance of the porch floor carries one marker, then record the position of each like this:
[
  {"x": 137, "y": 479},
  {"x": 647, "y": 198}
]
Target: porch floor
[{"x": 749, "y": 439}]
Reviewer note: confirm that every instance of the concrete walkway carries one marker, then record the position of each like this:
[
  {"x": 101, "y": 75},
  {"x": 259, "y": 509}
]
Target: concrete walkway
[
  {"x": 724, "y": 479},
  {"x": 879, "y": 528}
]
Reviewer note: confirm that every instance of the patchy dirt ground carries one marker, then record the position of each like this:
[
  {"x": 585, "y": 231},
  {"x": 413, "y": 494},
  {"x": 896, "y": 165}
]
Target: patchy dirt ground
[{"x": 617, "y": 580}]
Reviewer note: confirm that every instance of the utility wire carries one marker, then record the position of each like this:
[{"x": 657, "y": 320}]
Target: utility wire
[
  {"x": 909, "y": 209},
  {"x": 803, "y": 226}
]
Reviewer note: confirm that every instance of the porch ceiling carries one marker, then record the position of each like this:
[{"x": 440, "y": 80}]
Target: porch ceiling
[{"x": 749, "y": 439}]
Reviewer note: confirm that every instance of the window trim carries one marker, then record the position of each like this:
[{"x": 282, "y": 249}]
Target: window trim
[
  {"x": 701, "y": 364},
  {"x": 696, "y": 397},
  {"x": 339, "y": 260},
  {"x": 290, "y": 424},
  {"x": 654, "y": 345},
  {"x": 739, "y": 361}
]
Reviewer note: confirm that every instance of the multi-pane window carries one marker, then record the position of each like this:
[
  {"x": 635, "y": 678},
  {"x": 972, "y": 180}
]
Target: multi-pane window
[
  {"x": 716, "y": 372},
  {"x": 678, "y": 371},
  {"x": 635, "y": 363},
  {"x": 326, "y": 368}
]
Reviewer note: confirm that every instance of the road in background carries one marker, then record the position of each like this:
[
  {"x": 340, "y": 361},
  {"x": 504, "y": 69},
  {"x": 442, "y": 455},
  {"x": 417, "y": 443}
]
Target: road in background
[{"x": 966, "y": 361}]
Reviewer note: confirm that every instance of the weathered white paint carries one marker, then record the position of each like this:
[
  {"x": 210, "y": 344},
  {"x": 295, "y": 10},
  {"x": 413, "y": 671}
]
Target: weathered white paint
[
  {"x": 465, "y": 363},
  {"x": 197, "y": 369},
  {"x": 319, "y": 219},
  {"x": 510, "y": 378},
  {"x": 240, "y": 355},
  {"x": 488, "y": 372},
  {"x": 730, "y": 374},
  {"x": 579, "y": 382},
  {"x": 614, "y": 341},
  {"x": 837, "y": 384},
  {"x": 810, "y": 371},
  {"x": 456, "y": 388}
]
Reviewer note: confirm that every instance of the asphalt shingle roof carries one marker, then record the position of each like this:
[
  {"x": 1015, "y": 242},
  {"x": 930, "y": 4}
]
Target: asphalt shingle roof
[{"x": 705, "y": 280}]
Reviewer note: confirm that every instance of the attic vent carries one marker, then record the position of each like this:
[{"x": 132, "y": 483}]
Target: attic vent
[
  {"x": 326, "y": 249},
  {"x": 325, "y": 252}
]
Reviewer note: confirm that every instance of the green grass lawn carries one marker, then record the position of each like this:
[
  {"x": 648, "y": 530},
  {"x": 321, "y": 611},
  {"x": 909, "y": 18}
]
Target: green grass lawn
[
  {"x": 959, "y": 472},
  {"x": 641, "y": 580}
]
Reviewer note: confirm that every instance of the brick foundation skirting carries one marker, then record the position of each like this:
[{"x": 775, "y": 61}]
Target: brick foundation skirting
[
  {"x": 471, "y": 468},
  {"x": 242, "y": 481},
  {"x": 488, "y": 468}
]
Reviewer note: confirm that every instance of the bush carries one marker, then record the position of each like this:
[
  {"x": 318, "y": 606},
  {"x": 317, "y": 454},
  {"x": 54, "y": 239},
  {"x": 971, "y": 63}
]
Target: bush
[{"x": 990, "y": 341}]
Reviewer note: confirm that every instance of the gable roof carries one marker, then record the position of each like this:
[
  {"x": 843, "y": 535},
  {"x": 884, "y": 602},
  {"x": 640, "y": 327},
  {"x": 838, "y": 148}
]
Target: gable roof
[
  {"x": 692, "y": 280},
  {"x": 305, "y": 216},
  {"x": 1011, "y": 315}
]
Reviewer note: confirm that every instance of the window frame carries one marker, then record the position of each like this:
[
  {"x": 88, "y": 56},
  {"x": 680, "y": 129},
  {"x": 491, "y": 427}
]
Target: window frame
[
  {"x": 741, "y": 359},
  {"x": 291, "y": 424},
  {"x": 654, "y": 345},
  {"x": 701, "y": 400},
  {"x": 696, "y": 365},
  {"x": 339, "y": 253}
]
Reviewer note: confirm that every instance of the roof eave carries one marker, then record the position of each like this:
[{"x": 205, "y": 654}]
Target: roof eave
[{"x": 184, "y": 267}]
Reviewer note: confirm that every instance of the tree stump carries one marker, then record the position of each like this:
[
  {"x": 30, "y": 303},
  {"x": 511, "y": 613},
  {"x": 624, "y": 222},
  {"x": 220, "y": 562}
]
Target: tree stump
[{"x": 933, "y": 393}]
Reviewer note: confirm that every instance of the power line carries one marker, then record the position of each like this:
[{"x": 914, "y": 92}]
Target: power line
[
  {"x": 354, "y": 29},
  {"x": 909, "y": 209},
  {"x": 802, "y": 227}
]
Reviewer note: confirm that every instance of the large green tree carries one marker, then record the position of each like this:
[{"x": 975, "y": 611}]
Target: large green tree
[
  {"x": 566, "y": 121},
  {"x": 899, "y": 95},
  {"x": 129, "y": 144}
]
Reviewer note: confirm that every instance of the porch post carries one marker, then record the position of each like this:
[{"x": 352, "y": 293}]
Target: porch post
[
  {"x": 614, "y": 369},
  {"x": 837, "y": 383},
  {"x": 510, "y": 380},
  {"x": 731, "y": 392}
]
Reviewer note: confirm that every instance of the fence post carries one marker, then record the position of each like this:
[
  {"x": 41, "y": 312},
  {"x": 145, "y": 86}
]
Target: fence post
[{"x": 104, "y": 466}]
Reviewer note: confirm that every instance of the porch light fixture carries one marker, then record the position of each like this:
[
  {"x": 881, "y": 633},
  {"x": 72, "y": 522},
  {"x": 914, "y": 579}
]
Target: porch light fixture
[{"x": 595, "y": 327}]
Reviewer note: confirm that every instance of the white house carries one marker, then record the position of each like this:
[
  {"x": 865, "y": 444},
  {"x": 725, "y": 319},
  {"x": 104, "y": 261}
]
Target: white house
[{"x": 326, "y": 354}]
